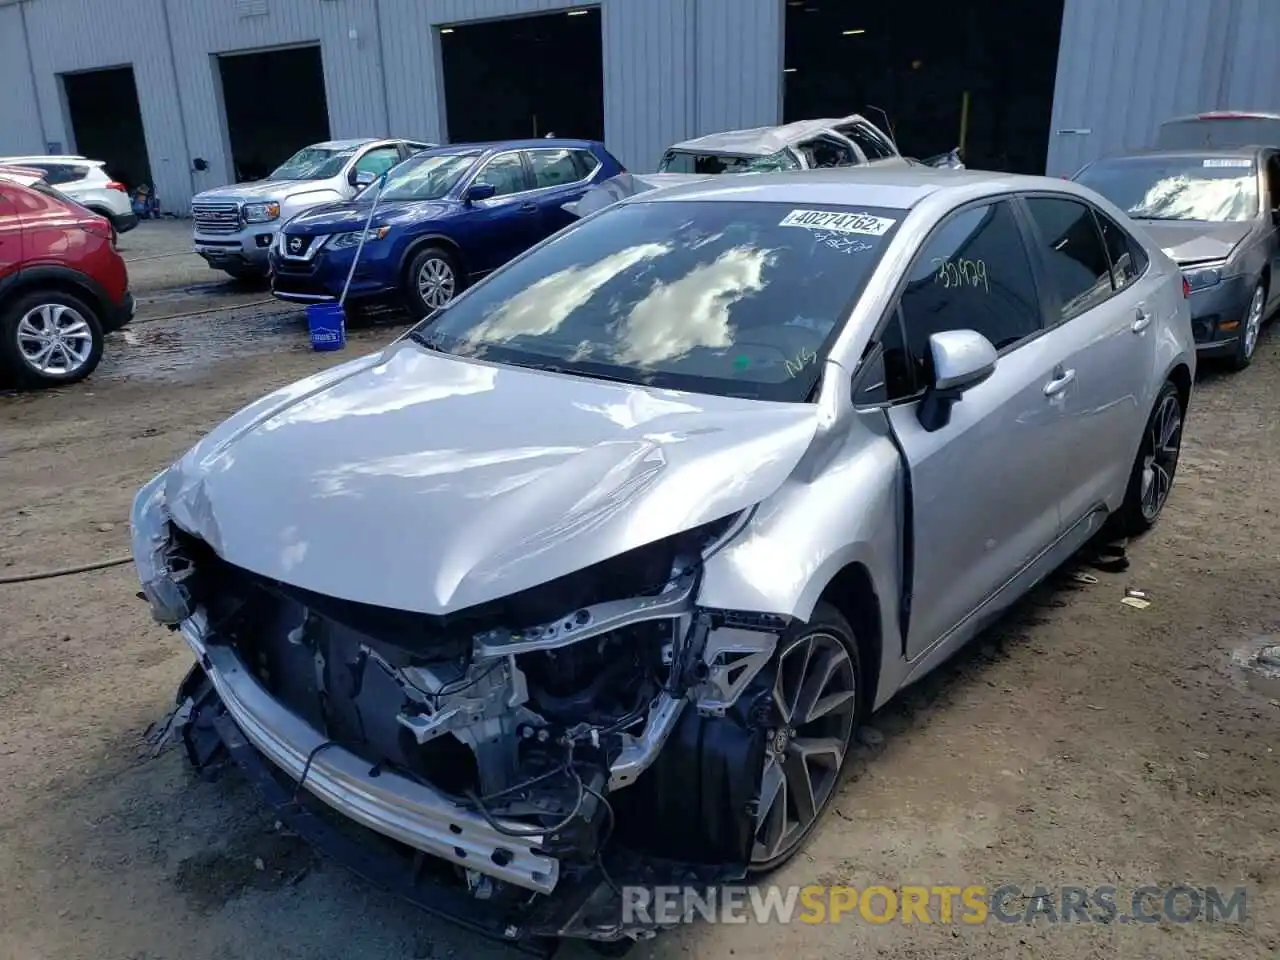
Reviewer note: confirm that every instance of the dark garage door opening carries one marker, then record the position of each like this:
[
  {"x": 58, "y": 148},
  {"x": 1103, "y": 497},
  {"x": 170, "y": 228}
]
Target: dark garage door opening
[
  {"x": 275, "y": 106},
  {"x": 916, "y": 61},
  {"x": 106, "y": 122},
  {"x": 525, "y": 77}
]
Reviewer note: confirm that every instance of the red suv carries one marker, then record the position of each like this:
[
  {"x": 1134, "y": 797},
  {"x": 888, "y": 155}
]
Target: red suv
[{"x": 63, "y": 286}]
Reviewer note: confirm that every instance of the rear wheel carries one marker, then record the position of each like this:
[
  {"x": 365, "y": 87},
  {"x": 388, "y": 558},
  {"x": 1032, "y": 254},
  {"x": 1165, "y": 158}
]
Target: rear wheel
[
  {"x": 814, "y": 714},
  {"x": 48, "y": 338},
  {"x": 432, "y": 280},
  {"x": 1151, "y": 480}
]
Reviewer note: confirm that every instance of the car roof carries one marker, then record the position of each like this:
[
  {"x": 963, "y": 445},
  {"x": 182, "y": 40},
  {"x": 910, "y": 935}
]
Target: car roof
[
  {"x": 48, "y": 158},
  {"x": 348, "y": 144},
  {"x": 893, "y": 186},
  {"x": 532, "y": 143},
  {"x": 20, "y": 175},
  {"x": 1194, "y": 153},
  {"x": 762, "y": 141},
  {"x": 1224, "y": 115}
]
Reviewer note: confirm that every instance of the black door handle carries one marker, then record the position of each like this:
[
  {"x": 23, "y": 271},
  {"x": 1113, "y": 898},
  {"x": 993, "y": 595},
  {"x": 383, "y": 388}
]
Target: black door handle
[{"x": 528, "y": 206}]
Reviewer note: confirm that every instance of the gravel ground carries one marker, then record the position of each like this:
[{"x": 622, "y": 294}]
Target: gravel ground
[{"x": 1082, "y": 741}]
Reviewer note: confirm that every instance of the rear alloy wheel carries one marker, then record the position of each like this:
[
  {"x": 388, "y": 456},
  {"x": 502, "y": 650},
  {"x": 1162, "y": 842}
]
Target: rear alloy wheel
[
  {"x": 433, "y": 281},
  {"x": 1152, "y": 478},
  {"x": 50, "y": 338},
  {"x": 1250, "y": 329},
  {"x": 814, "y": 711}
]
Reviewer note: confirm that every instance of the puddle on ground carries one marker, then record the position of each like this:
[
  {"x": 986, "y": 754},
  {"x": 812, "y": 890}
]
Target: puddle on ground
[
  {"x": 184, "y": 348},
  {"x": 1257, "y": 665}
]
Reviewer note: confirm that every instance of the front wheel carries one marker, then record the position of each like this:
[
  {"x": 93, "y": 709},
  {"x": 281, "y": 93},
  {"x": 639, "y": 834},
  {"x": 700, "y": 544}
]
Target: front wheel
[
  {"x": 48, "y": 338},
  {"x": 1151, "y": 479},
  {"x": 432, "y": 280},
  {"x": 814, "y": 713},
  {"x": 1250, "y": 329}
]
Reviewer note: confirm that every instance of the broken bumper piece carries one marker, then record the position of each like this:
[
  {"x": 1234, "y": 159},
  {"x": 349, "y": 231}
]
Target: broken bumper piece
[
  {"x": 587, "y": 904},
  {"x": 384, "y": 801}
]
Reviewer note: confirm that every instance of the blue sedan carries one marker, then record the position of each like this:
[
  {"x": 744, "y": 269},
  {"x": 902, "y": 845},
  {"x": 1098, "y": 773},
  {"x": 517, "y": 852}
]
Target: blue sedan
[{"x": 444, "y": 217}]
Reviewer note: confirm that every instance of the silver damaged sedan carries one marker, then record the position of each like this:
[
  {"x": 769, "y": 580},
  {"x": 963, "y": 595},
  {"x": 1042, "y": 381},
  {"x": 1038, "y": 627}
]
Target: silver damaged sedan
[{"x": 583, "y": 586}]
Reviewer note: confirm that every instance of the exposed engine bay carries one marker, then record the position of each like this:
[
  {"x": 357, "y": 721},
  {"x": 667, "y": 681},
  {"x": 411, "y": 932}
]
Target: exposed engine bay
[{"x": 602, "y": 718}]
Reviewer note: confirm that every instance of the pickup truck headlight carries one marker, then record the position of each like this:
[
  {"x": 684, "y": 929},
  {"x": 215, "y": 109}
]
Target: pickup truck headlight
[
  {"x": 1203, "y": 276},
  {"x": 344, "y": 241},
  {"x": 260, "y": 212}
]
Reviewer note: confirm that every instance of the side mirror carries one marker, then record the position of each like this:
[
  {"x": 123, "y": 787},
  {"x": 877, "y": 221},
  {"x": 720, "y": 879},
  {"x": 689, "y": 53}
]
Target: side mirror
[
  {"x": 962, "y": 359},
  {"x": 361, "y": 178},
  {"x": 480, "y": 191}
]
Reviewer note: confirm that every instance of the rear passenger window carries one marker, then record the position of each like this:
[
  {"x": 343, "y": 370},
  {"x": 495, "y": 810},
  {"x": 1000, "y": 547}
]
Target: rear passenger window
[
  {"x": 1127, "y": 257},
  {"x": 585, "y": 162},
  {"x": 973, "y": 274},
  {"x": 553, "y": 168},
  {"x": 1077, "y": 260}
]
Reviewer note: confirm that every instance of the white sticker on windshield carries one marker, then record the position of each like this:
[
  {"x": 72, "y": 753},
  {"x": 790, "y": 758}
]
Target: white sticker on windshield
[
  {"x": 831, "y": 220},
  {"x": 1242, "y": 163}
]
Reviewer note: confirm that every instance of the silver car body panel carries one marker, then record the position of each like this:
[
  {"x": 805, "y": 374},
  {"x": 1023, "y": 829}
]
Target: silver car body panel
[
  {"x": 762, "y": 141},
  {"x": 402, "y": 480}
]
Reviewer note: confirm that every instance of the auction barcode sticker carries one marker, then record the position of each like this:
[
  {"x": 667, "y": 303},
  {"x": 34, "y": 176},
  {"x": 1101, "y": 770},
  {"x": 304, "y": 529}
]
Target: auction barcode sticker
[
  {"x": 863, "y": 223},
  {"x": 1242, "y": 163}
]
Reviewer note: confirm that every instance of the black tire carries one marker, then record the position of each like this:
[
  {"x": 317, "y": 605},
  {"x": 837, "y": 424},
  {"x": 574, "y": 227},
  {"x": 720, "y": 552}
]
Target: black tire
[
  {"x": 1248, "y": 340},
  {"x": 829, "y": 624},
  {"x": 415, "y": 294},
  {"x": 16, "y": 361},
  {"x": 1136, "y": 515}
]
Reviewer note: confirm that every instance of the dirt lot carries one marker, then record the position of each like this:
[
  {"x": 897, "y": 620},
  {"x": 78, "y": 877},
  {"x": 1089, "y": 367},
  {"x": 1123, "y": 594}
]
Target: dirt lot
[{"x": 1083, "y": 742}]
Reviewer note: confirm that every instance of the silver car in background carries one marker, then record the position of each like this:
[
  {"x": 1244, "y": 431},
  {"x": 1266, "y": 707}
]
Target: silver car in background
[
  {"x": 1216, "y": 212},
  {"x": 588, "y": 581}
]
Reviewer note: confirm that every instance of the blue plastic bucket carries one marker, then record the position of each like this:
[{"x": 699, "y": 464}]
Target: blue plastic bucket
[{"x": 328, "y": 326}]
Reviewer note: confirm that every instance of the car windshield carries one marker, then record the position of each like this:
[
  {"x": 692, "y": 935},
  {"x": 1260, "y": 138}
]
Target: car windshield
[
  {"x": 313, "y": 163},
  {"x": 679, "y": 161},
  {"x": 732, "y": 298},
  {"x": 425, "y": 177},
  {"x": 1218, "y": 189}
]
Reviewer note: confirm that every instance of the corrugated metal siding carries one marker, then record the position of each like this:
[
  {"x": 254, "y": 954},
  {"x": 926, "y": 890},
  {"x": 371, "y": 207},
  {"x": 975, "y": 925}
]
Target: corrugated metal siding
[
  {"x": 672, "y": 68},
  {"x": 1126, "y": 65},
  {"x": 1253, "y": 72},
  {"x": 72, "y": 35},
  {"x": 19, "y": 120},
  {"x": 739, "y": 63},
  {"x": 346, "y": 31}
]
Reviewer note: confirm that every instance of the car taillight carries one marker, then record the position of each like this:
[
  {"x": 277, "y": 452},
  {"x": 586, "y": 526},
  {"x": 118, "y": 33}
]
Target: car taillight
[
  {"x": 116, "y": 185},
  {"x": 99, "y": 227},
  {"x": 1186, "y": 289}
]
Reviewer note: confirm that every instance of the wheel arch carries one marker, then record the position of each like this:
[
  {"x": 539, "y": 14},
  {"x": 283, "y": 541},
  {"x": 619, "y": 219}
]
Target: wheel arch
[
  {"x": 417, "y": 244},
  {"x": 1180, "y": 375},
  {"x": 62, "y": 279},
  {"x": 852, "y": 592}
]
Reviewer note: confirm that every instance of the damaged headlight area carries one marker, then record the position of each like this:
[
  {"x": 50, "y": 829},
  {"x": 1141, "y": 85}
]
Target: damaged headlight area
[
  {"x": 163, "y": 570},
  {"x": 556, "y": 743}
]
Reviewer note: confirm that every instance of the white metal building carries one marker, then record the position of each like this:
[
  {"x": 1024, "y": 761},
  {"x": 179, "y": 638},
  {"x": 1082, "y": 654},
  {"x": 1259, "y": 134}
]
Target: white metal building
[{"x": 664, "y": 70}]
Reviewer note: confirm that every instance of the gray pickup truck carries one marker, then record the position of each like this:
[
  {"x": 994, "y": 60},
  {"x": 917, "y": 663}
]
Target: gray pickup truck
[{"x": 236, "y": 225}]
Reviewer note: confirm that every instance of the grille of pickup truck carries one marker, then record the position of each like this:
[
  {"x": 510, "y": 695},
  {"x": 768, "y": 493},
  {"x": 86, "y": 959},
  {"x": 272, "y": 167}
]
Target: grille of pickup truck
[{"x": 216, "y": 217}]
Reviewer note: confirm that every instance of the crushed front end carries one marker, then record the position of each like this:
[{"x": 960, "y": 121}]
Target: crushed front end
[{"x": 513, "y": 765}]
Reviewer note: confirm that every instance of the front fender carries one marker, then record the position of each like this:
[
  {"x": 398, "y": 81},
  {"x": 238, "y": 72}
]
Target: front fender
[{"x": 846, "y": 508}]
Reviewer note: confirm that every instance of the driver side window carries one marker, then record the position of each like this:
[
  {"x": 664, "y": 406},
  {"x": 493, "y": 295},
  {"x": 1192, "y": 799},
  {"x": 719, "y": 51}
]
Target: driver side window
[
  {"x": 972, "y": 274},
  {"x": 1273, "y": 181}
]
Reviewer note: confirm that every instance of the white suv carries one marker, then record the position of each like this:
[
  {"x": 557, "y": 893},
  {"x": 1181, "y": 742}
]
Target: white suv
[
  {"x": 236, "y": 225},
  {"x": 86, "y": 182}
]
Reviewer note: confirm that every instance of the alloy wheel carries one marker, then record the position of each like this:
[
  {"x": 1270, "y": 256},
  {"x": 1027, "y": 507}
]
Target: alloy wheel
[
  {"x": 1160, "y": 459},
  {"x": 436, "y": 282},
  {"x": 1253, "y": 322},
  {"x": 814, "y": 704},
  {"x": 54, "y": 340}
]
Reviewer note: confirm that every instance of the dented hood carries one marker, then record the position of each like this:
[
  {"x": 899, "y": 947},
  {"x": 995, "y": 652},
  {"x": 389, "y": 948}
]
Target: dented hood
[{"x": 422, "y": 482}]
